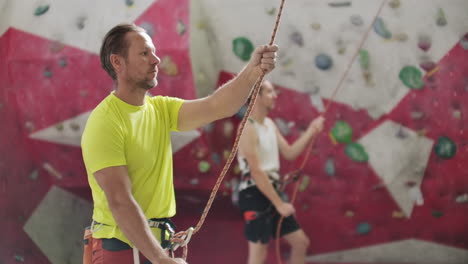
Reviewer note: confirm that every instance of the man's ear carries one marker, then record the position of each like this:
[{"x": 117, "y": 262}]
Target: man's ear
[{"x": 116, "y": 62}]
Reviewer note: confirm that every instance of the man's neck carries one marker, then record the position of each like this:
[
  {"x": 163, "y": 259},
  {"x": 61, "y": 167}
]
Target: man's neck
[{"x": 130, "y": 95}]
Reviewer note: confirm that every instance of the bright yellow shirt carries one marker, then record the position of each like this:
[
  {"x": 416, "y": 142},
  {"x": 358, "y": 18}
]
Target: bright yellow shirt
[{"x": 139, "y": 137}]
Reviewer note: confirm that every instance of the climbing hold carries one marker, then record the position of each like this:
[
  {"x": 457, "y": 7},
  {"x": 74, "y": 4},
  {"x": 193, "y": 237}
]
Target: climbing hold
[
  {"x": 202, "y": 24},
  {"x": 304, "y": 183},
  {"x": 381, "y": 29},
  {"x": 204, "y": 166},
  {"x": 59, "y": 126},
  {"x": 74, "y": 126},
  {"x": 194, "y": 181},
  {"x": 168, "y": 66},
  {"x": 416, "y": 195},
  {"x": 34, "y": 174},
  {"x": 271, "y": 11},
  {"x": 62, "y": 62},
  {"x": 463, "y": 198},
  {"x": 356, "y": 152},
  {"x": 80, "y": 22},
  {"x": 394, "y": 3},
  {"x": 226, "y": 154},
  {"x": 445, "y": 148},
  {"x": 129, "y": 3},
  {"x": 401, "y": 133},
  {"x": 181, "y": 28},
  {"x": 421, "y": 132},
  {"x": 316, "y": 26},
  {"x": 441, "y": 19},
  {"x": 56, "y": 46},
  {"x": 237, "y": 169},
  {"x": 342, "y": 132},
  {"x": 341, "y": 50},
  {"x": 19, "y": 258},
  {"x": 200, "y": 152},
  {"x": 40, "y": 10},
  {"x": 424, "y": 42},
  {"x": 457, "y": 114},
  {"x": 323, "y": 62},
  {"x": 364, "y": 59},
  {"x": 242, "y": 48},
  {"x": 148, "y": 27},
  {"x": 47, "y": 73},
  {"x": 282, "y": 126},
  {"x": 363, "y": 228},
  {"x": 340, "y": 4},
  {"x": 428, "y": 66},
  {"x": 349, "y": 213},
  {"x": 402, "y": 37},
  {"x": 437, "y": 213},
  {"x": 296, "y": 37},
  {"x": 330, "y": 167},
  {"x": 398, "y": 214},
  {"x": 29, "y": 126},
  {"x": 464, "y": 42},
  {"x": 357, "y": 20},
  {"x": 411, "y": 77}
]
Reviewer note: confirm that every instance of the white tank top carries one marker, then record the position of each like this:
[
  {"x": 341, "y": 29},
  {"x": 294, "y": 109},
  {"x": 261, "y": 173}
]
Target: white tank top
[{"x": 267, "y": 148}]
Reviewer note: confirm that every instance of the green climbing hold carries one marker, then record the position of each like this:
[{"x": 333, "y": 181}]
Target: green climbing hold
[
  {"x": 356, "y": 152},
  {"x": 437, "y": 214},
  {"x": 304, "y": 183},
  {"x": 445, "y": 148},
  {"x": 41, "y": 10},
  {"x": 330, "y": 167},
  {"x": 204, "y": 166},
  {"x": 243, "y": 48},
  {"x": 411, "y": 77},
  {"x": 363, "y": 228},
  {"x": 364, "y": 59},
  {"x": 342, "y": 132},
  {"x": 441, "y": 19}
]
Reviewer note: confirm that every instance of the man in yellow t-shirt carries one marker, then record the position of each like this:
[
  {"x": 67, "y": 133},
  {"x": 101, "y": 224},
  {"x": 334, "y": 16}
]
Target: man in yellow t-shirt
[{"x": 127, "y": 149}]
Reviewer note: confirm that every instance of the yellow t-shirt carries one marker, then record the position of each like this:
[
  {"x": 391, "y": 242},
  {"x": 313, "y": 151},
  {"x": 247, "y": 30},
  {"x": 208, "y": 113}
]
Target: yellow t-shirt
[{"x": 119, "y": 134}]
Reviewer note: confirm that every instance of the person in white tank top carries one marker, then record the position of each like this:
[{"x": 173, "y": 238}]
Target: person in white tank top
[{"x": 259, "y": 148}]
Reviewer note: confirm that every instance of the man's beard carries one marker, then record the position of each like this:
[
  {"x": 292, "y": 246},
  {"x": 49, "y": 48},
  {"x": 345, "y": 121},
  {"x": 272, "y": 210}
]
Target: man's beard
[{"x": 147, "y": 84}]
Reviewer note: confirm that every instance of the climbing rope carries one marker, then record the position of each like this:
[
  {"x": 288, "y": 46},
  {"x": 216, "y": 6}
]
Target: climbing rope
[
  {"x": 298, "y": 172},
  {"x": 182, "y": 238}
]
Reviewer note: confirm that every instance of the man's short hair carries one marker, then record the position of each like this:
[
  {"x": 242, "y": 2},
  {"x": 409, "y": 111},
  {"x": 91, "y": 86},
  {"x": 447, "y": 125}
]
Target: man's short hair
[{"x": 115, "y": 43}]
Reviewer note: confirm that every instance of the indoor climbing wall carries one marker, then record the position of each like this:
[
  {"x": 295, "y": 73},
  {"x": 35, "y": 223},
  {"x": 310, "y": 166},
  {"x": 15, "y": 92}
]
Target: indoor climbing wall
[{"x": 386, "y": 181}]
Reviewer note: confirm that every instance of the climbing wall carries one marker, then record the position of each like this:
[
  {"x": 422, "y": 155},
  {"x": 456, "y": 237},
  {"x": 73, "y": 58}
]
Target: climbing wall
[{"x": 386, "y": 181}]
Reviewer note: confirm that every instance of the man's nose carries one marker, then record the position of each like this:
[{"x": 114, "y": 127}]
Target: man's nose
[{"x": 156, "y": 60}]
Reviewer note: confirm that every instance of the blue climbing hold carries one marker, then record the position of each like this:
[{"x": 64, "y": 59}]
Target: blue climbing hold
[{"x": 323, "y": 61}]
